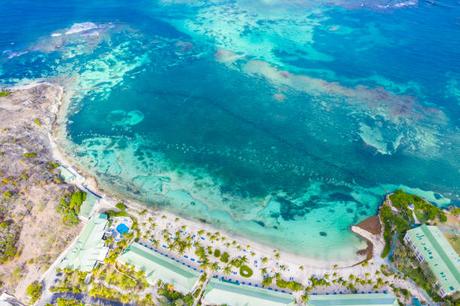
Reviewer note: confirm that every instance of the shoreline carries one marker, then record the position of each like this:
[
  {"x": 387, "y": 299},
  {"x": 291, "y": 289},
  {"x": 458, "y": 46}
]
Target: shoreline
[
  {"x": 58, "y": 141},
  {"x": 157, "y": 227}
]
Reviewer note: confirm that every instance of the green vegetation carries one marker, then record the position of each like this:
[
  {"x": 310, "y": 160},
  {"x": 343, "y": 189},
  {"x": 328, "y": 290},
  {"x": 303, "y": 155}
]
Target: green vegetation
[
  {"x": 51, "y": 165},
  {"x": 113, "y": 213},
  {"x": 9, "y": 234},
  {"x": 109, "y": 281},
  {"x": 124, "y": 277},
  {"x": 224, "y": 257},
  {"x": 455, "y": 211},
  {"x": 4, "y": 93},
  {"x": 34, "y": 291},
  {"x": 73, "y": 281},
  {"x": 119, "y": 248},
  {"x": 121, "y": 206},
  {"x": 217, "y": 253},
  {"x": 393, "y": 224},
  {"x": 30, "y": 155},
  {"x": 7, "y": 194},
  {"x": 245, "y": 271},
  {"x": 69, "y": 206},
  {"x": 267, "y": 281},
  {"x": 454, "y": 240},
  {"x": 101, "y": 291},
  {"x": 318, "y": 282},
  {"x": 174, "y": 297},
  {"x": 397, "y": 223},
  {"x": 424, "y": 210},
  {"x": 291, "y": 285},
  {"x": 68, "y": 302},
  {"x": 37, "y": 122}
]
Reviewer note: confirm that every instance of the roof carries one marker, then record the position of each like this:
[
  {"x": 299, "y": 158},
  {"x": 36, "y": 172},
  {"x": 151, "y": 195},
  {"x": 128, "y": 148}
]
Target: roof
[
  {"x": 87, "y": 206},
  {"x": 159, "y": 267},
  {"x": 66, "y": 174},
  {"x": 439, "y": 254},
  {"x": 89, "y": 247},
  {"x": 220, "y": 292},
  {"x": 376, "y": 299}
]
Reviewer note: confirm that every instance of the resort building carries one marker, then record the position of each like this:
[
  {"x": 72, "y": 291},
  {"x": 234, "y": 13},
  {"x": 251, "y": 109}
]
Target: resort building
[
  {"x": 432, "y": 248},
  {"x": 88, "y": 205},
  {"x": 68, "y": 175},
  {"x": 89, "y": 249},
  {"x": 374, "y": 299},
  {"x": 159, "y": 267},
  {"x": 222, "y": 292}
]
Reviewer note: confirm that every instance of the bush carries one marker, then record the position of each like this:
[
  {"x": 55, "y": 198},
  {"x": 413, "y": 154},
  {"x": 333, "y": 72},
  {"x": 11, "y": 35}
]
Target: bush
[
  {"x": 217, "y": 253},
  {"x": 68, "y": 302},
  {"x": 9, "y": 235},
  {"x": 121, "y": 206},
  {"x": 34, "y": 291},
  {"x": 51, "y": 165},
  {"x": 224, "y": 257},
  {"x": 37, "y": 122},
  {"x": 4, "y": 93},
  {"x": 291, "y": 285},
  {"x": 245, "y": 271},
  {"x": 7, "y": 195},
  {"x": 69, "y": 206},
  {"x": 30, "y": 155}
]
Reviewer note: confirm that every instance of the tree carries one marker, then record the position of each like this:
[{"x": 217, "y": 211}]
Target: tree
[
  {"x": 34, "y": 291},
  {"x": 68, "y": 302},
  {"x": 227, "y": 270},
  {"x": 267, "y": 281}
]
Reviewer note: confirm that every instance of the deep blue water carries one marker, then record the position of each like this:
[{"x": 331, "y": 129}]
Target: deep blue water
[{"x": 285, "y": 121}]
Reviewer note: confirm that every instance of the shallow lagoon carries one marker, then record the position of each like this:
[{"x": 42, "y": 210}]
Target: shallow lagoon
[{"x": 283, "y": 122}]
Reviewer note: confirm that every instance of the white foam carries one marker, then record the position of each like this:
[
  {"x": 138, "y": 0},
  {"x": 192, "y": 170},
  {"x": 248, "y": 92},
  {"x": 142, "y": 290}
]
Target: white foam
[{"x": 81, "y": 27}]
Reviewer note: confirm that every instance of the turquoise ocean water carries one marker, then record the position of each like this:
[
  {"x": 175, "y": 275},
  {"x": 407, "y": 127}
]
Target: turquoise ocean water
[{"x": 283, "y": 121}]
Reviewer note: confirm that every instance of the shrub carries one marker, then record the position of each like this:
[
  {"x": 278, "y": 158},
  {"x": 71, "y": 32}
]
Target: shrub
[
  {"x": 4, "y": 93},
  {"x": 69, "y": 206},
  {"x": 51, "y": 165},
  {"x": 68, "y": 302},
  {"x": 7, "y": 195},
  {"x": 30, "y": 155},
  {"x": 121, "y": 206},
  {"x": 9, "y": 234},
  {"x": 217, "y": 253},
  {"x": 34, "y": 291},
  {"x": 37, "y": 122},
  {"x": 245, "y": 271},
  {"x": 224, "y": 257},
  {"x": 291, "y": 285}
]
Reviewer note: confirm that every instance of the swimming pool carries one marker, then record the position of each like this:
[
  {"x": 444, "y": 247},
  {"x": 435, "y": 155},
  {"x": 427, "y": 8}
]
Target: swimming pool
[{"x": 122, "y": 228}]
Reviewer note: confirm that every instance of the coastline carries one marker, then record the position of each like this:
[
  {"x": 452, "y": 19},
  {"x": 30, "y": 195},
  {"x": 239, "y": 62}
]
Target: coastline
[
  {"x": 156, "y": 227},
  {"x": 59, "y": 141}
]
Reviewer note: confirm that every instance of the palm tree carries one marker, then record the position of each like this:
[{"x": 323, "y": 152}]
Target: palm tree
[
  {"x": 204, "y": 264},
  {"x": 227, "y": 270},
  {"x": 264, "y": 271},
  {"x": 214, "y": 267},
  {"x": 267, "y": 281}
]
